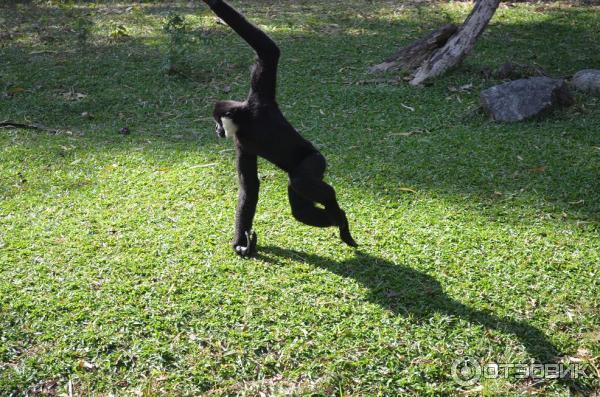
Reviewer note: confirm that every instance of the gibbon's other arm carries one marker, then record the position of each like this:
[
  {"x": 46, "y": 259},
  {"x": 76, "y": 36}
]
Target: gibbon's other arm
[
  {"x": 244, "y": 243},
  {"x": 264, "y": 75}
]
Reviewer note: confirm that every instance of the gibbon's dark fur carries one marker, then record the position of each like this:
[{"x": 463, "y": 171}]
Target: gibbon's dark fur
[{"x": 260, "y": 129}]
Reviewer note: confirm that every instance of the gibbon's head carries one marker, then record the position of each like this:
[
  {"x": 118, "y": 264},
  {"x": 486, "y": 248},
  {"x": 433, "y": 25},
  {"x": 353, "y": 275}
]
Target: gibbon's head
[{"x": 227, "y": 115}]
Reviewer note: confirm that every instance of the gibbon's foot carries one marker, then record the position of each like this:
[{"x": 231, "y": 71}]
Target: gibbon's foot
[
  {"x": 345, "y": 232},
  {"x": 250, "y": 248}
]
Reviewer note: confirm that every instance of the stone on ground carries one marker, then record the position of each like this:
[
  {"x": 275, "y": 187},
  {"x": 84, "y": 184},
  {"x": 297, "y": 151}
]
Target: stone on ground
[
  {"x": 525, "y": 98},
  {"x": 587, "y": 80}
]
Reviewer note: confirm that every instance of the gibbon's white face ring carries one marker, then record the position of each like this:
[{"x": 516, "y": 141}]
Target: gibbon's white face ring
[{"x": 229, "y": 126}]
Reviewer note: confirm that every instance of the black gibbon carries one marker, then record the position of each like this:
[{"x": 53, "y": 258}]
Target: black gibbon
[{"x": 258, "y": 128}]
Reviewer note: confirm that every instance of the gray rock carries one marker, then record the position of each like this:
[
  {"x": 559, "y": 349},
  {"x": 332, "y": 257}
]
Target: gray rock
[
  {"x": 525, "y": 98},
  {"x": 587, "y": 80}
]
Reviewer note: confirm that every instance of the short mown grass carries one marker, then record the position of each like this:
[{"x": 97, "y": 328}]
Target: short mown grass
[{"x": 116, "y": 276}]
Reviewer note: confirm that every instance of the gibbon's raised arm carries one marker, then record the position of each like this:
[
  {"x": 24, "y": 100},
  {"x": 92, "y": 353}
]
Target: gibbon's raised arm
[{"x": 264, "y": 75}]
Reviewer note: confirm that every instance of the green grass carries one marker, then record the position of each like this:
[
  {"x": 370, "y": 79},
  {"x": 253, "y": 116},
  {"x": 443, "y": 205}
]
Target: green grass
[{"x": 116, "y": 275}]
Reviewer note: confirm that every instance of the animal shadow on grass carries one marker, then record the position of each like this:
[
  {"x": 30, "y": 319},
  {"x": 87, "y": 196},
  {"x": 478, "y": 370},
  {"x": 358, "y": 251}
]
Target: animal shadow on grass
[{"x": 406, "y": 291}]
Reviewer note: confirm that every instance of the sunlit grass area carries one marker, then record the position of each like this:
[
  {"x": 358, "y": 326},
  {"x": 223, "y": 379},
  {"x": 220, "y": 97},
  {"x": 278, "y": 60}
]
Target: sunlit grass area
[{"x": 116, "y": 276}]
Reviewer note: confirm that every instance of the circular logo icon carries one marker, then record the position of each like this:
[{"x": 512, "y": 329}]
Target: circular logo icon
[{"x": 466, "y": 371}]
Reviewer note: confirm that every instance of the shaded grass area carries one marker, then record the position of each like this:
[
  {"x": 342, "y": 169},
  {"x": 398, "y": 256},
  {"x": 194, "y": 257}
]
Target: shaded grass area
[{"x": 477, "y": 238}]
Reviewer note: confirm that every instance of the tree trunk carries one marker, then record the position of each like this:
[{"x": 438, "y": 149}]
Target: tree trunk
[
  {"x": 411, "y": 57},
  {"x": 459, "y": 45},
  {"x": 442, "y": 49}
]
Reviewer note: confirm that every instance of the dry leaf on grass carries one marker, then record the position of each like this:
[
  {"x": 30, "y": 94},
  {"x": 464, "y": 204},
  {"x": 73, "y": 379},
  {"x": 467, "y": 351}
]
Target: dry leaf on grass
[
  {"x": 73, "y": 96},
  {"x": 539, "y": 169},
  {"x": 407, "y": 189},
  {"x": 407, "y": 107}
]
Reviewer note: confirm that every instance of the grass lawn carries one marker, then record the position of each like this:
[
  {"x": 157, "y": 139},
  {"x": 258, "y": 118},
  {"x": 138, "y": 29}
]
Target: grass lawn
[{"x": 116, "y": 276}]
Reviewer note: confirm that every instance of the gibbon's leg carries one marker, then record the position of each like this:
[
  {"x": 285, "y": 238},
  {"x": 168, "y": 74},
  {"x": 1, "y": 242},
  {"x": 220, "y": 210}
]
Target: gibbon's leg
[
  {"x": 306, "y": 180},
  {"x": 305, "y": 211},
  {"x": 316, "y": 191},
  {"x": 244, "y": 242}
]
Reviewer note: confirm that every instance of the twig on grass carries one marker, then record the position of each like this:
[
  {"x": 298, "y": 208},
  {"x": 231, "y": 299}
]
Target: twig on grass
[{"x": 40, "y": 127}]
